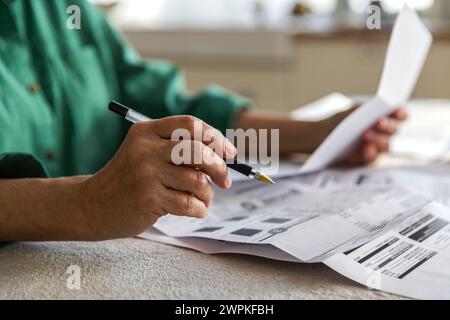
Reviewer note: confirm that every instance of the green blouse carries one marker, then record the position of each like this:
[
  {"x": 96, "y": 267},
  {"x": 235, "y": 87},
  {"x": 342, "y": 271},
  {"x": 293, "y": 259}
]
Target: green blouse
[{"x": 55, "y": 85}]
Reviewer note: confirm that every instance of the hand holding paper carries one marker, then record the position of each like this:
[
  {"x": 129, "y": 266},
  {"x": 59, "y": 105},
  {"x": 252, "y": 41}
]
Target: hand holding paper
[{"x": 408, "y": 49}]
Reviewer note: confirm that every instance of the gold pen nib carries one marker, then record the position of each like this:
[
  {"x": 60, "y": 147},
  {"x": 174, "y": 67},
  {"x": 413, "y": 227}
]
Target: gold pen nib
[
  {"x": 266, "y": 179},
  {"x": 261, "y": 177}
]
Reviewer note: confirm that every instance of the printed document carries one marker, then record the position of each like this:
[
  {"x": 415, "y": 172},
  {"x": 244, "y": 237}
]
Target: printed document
[{"x": 388, "y": 229}]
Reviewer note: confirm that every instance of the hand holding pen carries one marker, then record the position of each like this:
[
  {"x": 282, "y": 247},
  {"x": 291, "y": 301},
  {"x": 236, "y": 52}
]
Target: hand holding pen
[
  {"x": 141, "y": 183},
  {"x": 136, "y": 117}
]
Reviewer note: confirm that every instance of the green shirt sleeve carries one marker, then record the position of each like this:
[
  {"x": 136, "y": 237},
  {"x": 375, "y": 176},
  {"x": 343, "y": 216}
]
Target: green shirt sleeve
[{"x": 158, "y": 89}]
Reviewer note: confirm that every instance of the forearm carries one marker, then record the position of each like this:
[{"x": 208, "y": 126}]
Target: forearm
[
  {"x": 295, "y": 136},
  {"x": 41, "y": 210}
]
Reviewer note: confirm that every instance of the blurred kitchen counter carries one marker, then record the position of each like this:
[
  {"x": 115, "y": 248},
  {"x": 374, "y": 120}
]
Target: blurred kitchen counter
[{"x": 282, "y": 70}]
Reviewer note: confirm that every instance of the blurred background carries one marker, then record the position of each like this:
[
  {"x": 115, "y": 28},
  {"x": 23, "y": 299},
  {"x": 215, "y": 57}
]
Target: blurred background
[{"x": 280, "y": 53}]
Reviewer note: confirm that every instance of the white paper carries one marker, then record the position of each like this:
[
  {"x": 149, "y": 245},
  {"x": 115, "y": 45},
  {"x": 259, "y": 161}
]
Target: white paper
[
  {"x": 409, "y": 45},
  {"x": 413, "y": 260},
  {"x": 294, "y": 218},
  {"x": 340, "y": 217},
  {"x": 208, "y": 246},
  {"x": 323, "y": 108},
  {"x": 407, "y": 52}
]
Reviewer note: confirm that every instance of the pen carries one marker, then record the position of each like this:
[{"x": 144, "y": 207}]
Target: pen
[{"x": 135, "y": 117}]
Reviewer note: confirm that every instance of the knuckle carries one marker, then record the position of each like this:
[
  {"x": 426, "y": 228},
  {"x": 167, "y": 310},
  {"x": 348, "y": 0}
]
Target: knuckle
[
  {"x": 206, "y": 151},
  {"x": 198, "y": 150},
  {"x": 198, "y": 145},
  {"x": 190, "y": 122},
  {"x": 216, "y": 135},
  {"x": 188, "y": 203},
  {"x": 210, "y": 154},
  {"x": 199, "y": 180}
]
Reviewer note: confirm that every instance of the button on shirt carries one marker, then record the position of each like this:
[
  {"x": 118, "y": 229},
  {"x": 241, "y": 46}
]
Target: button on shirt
[{"x": 56, "y": 83}]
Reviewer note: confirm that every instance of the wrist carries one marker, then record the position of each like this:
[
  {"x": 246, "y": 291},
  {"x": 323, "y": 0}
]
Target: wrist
[
  {"x": 86, "y": 206},
  {"x": 64, "y": 217},
  {"x": 74, "y": 221}
]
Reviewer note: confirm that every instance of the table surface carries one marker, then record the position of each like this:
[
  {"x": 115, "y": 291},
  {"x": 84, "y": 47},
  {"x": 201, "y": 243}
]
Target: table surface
[{"x": 140, "y": 269}]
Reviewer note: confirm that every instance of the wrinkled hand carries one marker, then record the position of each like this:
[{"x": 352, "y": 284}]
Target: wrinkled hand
[{"x": 142, "y": 183}]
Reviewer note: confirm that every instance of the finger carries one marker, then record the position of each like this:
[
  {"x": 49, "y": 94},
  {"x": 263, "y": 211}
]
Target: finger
[
  {"x": 190, "y": 128},
  {"x": 387, "y": 126},
  {"x": 400, "y": 114},
  {"x": 381, "y": 141},
  {"x": 363, "y": 155},
  {"x": 195, "y": 154},
  {"x": 354, "y": 159},
  {"x": 189, "y": 180},
  {"x": 181, "y": 203},
  {"x": 369, "y": 152}
]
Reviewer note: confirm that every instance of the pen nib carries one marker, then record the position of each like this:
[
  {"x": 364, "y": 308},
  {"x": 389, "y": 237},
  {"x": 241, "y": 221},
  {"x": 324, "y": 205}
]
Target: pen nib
[
  {"x": 266, "y": 179},
  {"x": 257, "y": 175}
]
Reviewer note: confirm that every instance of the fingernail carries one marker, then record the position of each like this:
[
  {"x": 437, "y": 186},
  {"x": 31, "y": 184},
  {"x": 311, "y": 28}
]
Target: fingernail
[
  {"x": 230, "y": 149},
  {"x": 229, "y": 182},
  {"x": 401, "y": 114}
]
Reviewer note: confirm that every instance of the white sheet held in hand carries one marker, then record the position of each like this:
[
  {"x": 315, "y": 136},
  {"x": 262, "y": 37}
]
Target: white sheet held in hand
[{"x": 409, "y": 46}]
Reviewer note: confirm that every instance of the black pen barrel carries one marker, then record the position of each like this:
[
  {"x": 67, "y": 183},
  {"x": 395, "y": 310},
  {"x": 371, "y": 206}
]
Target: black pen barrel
[{"x": 241, "y": 168}]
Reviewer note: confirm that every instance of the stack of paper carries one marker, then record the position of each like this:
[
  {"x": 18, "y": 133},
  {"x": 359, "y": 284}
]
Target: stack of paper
[{"x": 387, "y": 229}]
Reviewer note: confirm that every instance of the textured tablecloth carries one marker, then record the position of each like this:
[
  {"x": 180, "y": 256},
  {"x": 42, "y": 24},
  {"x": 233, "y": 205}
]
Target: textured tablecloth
[{"x": 140, "y": 269}]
